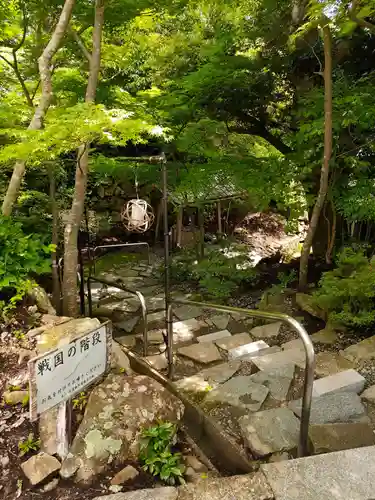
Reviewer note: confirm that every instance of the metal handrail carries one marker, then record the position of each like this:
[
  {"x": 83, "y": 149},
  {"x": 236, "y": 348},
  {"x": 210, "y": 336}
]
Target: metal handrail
[
  {"x": 309, "y": 351},
  {"x": 116, "y": 245},
  {"x": 125, "y": 289}
]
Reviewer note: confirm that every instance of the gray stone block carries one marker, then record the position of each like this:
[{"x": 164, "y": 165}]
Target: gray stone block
[
  {"x": 331, "y": 408},
  {"x": 337, "y": 437},
  {"x": 268, "y": 331},
  {"x": 212, "y": 337},
  {"x": 277, "y": 359},
  {"x": 277, "y": 380},
  {"x": 344, "y": 475},
  {"x": 234, "y": 341},
  {"x": 241, "y": 392},
  {"x": 346, "y": 381},
  {"x": 252, "y": 349},
  {"x": 204, "y": 353},
  {"x": 270, "y": 431}
]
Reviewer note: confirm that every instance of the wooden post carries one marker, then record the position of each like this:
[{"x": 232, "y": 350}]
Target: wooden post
[
  {"x": 219, "y": 221},
  {"x": 179, "y": 226}
]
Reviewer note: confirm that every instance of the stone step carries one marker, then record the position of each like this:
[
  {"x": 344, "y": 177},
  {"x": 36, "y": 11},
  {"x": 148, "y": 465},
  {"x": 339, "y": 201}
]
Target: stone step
[
  {"x": 252, "y": 349},
  {"x": 247, "y": 487},
  {"x": 346, "y": 381},
  {"x": 343, "y": 475},
  {"x": 212, "y": 337}
]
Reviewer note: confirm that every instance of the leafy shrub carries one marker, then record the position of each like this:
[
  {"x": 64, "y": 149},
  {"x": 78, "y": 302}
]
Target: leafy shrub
[
  {"x": 347, "y": 294},
  {"x": 21, "y": 256},
  {"x": 219, "y": 274},
  {"x": 156, "y": 453}
]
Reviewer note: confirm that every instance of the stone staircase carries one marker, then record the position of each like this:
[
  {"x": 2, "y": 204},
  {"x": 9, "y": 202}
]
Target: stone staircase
[
  {"x": 345, "y": 475},
  {"x": 247, "y": 377}
]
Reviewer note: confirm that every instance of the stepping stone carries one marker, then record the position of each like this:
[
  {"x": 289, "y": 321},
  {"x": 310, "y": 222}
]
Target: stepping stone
[
  {"x": 246, "y": 487},
  {"x": 156, "y": 317},
  {"x": 344, "y": 475},
  {"x": 128, "y": 341},
  {"x": 248, "y": 350},
  {"x": 268, "y": 331},
  {"x": 369, "y": 394},
  {"x": 277, "y": 380},
  {"x": 155, "y": 337},
  {"x": 204, "y": 353},
  {"x": 183, "y": 331},
  {"x": 277, "y": 359},
  {"x": 270, "y": 431},
  {"x": 293, "y": 344},
  {"x": 262, "y": 352},
  {"x": 234, "y": 341},
  {"x": 240, "y": 317},
  {"x": 220, "y": 373},
  {"x": 347, "y": 381},
  {"x": 163, "y": 493},
  {"x": 212, "y": 337},
  {"x": 326, "y": 438},
  {"x": 332, "y": 408},
  {"x": 195, "y": 384},
  {"x": 157, "y": 361},
  {"x": 329, "y": 363},
  {"x": 149, "y": 290},
  {"x": 187, "y": 312},
  {"x": 362, "y": 351},
  {"x": 155, "y": 304},
  {"x": 240, "y": 392},
  {"x": 209, "y": 378},
  {"x": 128, "y": 324},
  {"x": 325, "y": 336},
  {"x": 220, "y": 321}
]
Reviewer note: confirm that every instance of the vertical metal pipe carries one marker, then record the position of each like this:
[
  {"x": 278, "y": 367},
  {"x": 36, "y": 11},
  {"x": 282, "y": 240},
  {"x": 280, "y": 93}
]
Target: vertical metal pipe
[
  {"x": 145, "y": 326},
  {"x": 89, "y": 297},
  {"x": 307, "y": 386},
  {"x": 170, "y": 341},
  {"x": 81, "y": 282},
  {"x": 166, "y": 241}
]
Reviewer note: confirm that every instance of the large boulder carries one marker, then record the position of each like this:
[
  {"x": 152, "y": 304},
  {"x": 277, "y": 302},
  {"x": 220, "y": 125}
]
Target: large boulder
[{"x": 116, "y": 412}]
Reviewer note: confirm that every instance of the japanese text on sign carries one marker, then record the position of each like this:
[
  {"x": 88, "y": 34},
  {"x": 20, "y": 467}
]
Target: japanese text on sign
[{"x": 62, "y": 373}]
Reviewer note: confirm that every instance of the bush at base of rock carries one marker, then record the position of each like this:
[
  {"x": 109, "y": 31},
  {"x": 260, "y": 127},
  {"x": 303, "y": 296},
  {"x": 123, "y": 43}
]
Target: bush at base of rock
[{"x": 117, "y": 411}]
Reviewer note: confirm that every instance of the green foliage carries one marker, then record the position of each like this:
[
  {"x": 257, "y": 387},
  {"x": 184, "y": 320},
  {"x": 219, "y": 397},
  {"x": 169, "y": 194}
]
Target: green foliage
[
  {"x": 156, "y": 453},
  {"x": 29, "y": 444},
  {"x": 347, "y": 294},
  {"x": 219, "y": 274},
  {"x": 21, "y": 256},
  {"x": 80, "y": 401}
]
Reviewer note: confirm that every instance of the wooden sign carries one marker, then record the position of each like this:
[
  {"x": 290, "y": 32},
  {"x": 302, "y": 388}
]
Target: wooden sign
[{"x": 58, "y": 375}]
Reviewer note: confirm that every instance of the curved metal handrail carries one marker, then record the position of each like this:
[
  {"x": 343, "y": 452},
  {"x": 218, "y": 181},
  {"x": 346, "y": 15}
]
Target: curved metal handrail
[
  {"x": 116, "y": 245},
  {"x": 309, "y": 352},
  {"x": 125, "y": 289}
]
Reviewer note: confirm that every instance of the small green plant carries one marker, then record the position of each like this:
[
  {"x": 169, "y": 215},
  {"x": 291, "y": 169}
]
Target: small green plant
[
  {"x": 18, "y": 334},
  {"x": 347, "y": 294},
  {"x": 30, "y": 444},
  {"x": 157, "y": 456},
  {"x": 80, "y": 401}
]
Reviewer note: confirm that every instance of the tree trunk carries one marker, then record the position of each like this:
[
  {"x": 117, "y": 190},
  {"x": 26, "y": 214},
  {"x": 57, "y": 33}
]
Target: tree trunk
[
  {"x": 76, "y": 212},
  {"x": 55, "y": 240},
  {"x": 36, "y": 123},
  {"x": 324, "y": 174}
]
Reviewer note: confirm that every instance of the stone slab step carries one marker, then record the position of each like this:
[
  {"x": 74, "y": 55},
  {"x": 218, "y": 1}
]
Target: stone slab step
[
  {"x": 346, "y": 381},
  {"x": 343, "y": 475},
  {"x": 252, "y": 349},
  {"x": 212, "y": 337},
  {"x": 204, "y": 353},
  {"x": 269, "y": 331},
  {"x": 337, "y": 437},
  {"x": 277, "y": 359},
  {"x": 332, "y": 408},
  {"x": 234, "y": 341},
  {"x": 240, "y": 392}
]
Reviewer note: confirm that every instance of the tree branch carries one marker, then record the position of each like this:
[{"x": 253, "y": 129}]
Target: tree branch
[
  {"x": 265, "y": 134},
  {"x": 80, "y": 43},
  {"x": 361, "y": 22}
]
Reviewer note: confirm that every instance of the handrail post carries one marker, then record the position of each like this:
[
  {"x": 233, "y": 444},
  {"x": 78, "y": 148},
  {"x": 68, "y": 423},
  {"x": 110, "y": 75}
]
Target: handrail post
[
  {"x": 304, "y": 336},
  {"x": 170, "y": 340},
  {"x": 144, "y": 317}
]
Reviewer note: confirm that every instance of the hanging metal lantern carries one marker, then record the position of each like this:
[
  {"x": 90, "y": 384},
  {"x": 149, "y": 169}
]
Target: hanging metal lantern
[{"x": 137, "y": 216}]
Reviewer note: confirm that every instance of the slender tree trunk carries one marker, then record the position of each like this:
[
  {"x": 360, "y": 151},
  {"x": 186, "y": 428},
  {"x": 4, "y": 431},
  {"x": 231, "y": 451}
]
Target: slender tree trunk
[
  {"x": 324, "y": 174},
  {"x": 55, "y": 239},
  {"x": 76, "y": 212},
  {"x": 36, "y": 123}
]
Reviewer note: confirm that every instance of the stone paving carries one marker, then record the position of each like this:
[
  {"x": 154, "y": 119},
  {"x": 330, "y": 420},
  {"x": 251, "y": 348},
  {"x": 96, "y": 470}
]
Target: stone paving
[{"x": 240, "y": 373}]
